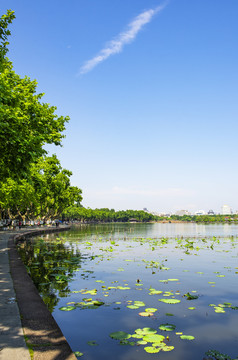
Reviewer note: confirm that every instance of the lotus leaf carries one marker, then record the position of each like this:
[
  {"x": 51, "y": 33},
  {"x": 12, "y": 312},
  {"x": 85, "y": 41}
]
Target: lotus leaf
[
  {"x": 154, "y": 338},
  {"x": 170, "y": 301},
  {"x": 146, "y": 314},
  {"x": 219, "y": 309},
  {"x": 139, "y": 303},
  {"x": 132, "y": 307},
  {"x": 120, "y": 335},
  {"x": 151, "y": 349},
  {"x": 91, "y": 292},
  {"x": 191, "y": 297},
  {"x": 126, "y": 342},
  {"x": 98, "y": 303},
  {"x": 67, "y": 308},
  {"x": 218, "y": 355},
  {"x": 167, "y": 348},
  {"x": 173, "y": 279},
  {"x": 151, "y": 310},
  {"x": 155, "y": 292},
  {"x": 78, "y": 354},
  {"x": 92, "y": 343},
  {"x": 142, "y": 342},
  {"x": 137, "y": 336},
  {"x": 123, "y": 287},
  {"x": 167, "y": 327},
  {"x": 146, "y": 331},
  {"x": 187, "y": 337},
  {"x": 158, "y": 344}
]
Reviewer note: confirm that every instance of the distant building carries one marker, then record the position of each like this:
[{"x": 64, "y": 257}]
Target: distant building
[
  {"x": 162, "y": 214},
  {"x": 132, "y": 220},
  {"x": 226, "y": 210},
  {"x": 182, "y": 212},
  {"x": 210, "y": 212},
  {"x": 200, "y": 212},
  {"x": 145, "y": 209}
]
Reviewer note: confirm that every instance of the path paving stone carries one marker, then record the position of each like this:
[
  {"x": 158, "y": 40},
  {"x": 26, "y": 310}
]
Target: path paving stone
[
  {"x": 22, "y": 311},
  {"x": 12, "y": 343}
]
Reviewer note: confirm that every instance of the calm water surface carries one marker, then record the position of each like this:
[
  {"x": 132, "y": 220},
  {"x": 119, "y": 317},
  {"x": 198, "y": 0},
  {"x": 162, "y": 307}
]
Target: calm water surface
[{"x": 97, "y": 271}]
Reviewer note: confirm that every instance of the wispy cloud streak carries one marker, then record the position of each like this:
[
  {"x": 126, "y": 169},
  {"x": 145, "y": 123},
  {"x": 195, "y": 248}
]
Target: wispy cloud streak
[{"x": 115, "y": 46}]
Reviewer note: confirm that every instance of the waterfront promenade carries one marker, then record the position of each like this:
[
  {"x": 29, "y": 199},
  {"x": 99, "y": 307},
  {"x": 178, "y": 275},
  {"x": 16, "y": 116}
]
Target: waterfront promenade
[
  {"x": 23, "y": 315},
  {"x": 12, "y": 343}
]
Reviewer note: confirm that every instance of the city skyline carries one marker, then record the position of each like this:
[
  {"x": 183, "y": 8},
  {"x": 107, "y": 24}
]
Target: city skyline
[
  {"x": 225, "y": 210},
  {"x": 151, "y": 90}
]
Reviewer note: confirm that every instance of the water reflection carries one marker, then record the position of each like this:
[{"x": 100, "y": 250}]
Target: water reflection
[
  {"x": 154, "y": 230},
  {"x": 51, "y": 265}
]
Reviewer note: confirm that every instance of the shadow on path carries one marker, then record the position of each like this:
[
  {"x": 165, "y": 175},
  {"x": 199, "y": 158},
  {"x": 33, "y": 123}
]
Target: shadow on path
[{"x": 42, "y": 333}]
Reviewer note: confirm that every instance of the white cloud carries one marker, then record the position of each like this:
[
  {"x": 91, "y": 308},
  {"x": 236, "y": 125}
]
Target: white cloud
[{"x": 115, "y": 46}]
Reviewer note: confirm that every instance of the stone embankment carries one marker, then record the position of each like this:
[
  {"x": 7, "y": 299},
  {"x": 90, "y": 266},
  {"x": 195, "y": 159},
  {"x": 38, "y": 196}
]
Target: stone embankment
[{"x": 27, "y": 328}]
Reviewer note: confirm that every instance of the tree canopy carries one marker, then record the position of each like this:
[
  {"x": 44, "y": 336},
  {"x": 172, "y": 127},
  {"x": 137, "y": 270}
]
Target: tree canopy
[
  {"x": 106, "y": 215},
  {"x": 26, "y": 123},
  {"x": 31, "y": 183}
]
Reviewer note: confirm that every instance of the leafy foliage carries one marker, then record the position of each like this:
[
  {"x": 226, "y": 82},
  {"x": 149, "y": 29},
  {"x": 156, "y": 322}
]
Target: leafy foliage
[
  {"x": 106, "y": 215},
  {"x": 217, "y": 355},
  {"x": 26, "y": 124},
  {"x": 31, "y": 184}
]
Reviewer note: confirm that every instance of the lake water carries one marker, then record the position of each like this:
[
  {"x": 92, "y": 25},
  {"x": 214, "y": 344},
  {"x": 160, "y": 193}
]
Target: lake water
[{"x": 99, "y": 280}]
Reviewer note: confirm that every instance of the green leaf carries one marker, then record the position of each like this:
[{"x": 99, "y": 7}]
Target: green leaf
[
  {"x": 173, "y": 279},
  {"x": 170, "y": 301},
  {"x": 152, "y": 310},
  {"x": 132, "y": 307},
  {"x": 146, "y": 331},
  {"x": 187, "y": 337},
  {"x": 120, "y": 335},
  {"x": 67, "y": 308},
  {"x": 142, "y": 342},
  {"x": 151, "y": 349},
  {"x": 191, "y": 297},
  {"x": 167, "y": 327},
  {"x": 78, "y": 353},
  {"x": 154, "y": 338},
  {"x": 167, "y": 348},
  {"x": 92, "y": 343}
]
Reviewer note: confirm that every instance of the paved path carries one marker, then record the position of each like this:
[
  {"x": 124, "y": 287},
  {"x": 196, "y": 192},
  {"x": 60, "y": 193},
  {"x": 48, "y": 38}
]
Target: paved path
[
  {"x": 12, "y": 343},
  {"x": 43, "y": 333}
]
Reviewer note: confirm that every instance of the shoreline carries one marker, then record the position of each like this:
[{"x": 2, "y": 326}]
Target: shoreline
[{"x": 43, "y": 336}]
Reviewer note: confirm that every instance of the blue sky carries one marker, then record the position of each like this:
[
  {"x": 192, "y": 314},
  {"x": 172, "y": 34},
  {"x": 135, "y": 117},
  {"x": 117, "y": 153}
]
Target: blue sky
[{"x": 155, "y": 123}]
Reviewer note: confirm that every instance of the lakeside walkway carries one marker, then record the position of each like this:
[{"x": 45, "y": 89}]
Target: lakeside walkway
[
  {"x": 12, "y": 343},
  {"x": 22, "y": 311}
]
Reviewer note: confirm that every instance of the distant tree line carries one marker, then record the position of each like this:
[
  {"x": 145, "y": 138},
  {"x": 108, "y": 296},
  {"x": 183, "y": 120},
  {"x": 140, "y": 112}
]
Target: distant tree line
[
  {"x": 32, "y": 184},
  {"x": 206, "y": 218},
  {"x": 106, "y": 215}
]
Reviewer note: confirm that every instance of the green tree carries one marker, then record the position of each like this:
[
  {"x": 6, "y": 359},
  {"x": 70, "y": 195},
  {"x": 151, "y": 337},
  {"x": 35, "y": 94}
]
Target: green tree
[
  {"x": 5, "y": 21},
  {"x": 26, "y": 123},
  {"x": 17, "y": 198},
  {"x": 52, "y": 188}
]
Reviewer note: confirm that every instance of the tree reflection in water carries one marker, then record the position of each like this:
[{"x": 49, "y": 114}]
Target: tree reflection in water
[{"x": 51, "y": 265}]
